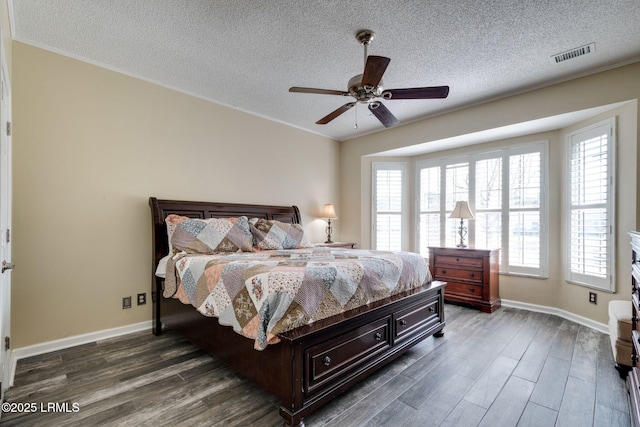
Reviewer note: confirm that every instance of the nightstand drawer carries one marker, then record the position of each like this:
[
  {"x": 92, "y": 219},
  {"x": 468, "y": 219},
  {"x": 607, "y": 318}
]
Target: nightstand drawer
[
  {"x": 446, "y": 274},
  {"x": 463, "y": 289},
  {"x": 458, "y": 261}
]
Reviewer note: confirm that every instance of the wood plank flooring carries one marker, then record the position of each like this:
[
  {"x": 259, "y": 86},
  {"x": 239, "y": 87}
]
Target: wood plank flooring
[{"x": 509, "y": 368}]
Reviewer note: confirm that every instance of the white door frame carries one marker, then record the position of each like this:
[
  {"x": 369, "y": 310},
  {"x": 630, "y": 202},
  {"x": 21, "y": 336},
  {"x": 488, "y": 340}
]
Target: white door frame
[{"x": 5, "y": 223}]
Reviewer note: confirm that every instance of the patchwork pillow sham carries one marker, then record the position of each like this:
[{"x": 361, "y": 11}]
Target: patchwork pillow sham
[
  {"x": 207, "y": 236},
  {"x": 172, "y": 222},
  {"x": 273, "y": 234}
]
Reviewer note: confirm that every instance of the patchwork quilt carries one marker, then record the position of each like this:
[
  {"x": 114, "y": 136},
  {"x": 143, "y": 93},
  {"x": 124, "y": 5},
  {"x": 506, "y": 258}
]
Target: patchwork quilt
[{"x": 261, "y": 294}]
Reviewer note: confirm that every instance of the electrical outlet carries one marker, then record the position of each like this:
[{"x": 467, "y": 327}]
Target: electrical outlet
[
  {"x": 142, "y": 299},
  {"x": 126, "y": 302},
  {"x": 593, "y": 298}
]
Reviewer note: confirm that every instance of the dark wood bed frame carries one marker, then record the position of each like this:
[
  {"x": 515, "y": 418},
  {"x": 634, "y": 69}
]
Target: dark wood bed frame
[{"x": 314, "y": 363}]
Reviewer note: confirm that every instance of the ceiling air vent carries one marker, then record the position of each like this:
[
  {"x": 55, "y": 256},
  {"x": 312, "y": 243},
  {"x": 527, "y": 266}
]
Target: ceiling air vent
[{"x": 574, "y": 53}]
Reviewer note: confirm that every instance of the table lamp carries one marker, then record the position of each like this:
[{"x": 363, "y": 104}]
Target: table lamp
[
  {"x": 329, "y": 213},
  {"x": 462, "y": 211}
]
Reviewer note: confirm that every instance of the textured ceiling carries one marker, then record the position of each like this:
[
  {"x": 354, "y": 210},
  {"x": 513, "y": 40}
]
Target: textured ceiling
[{"x": 246, "y": 54}]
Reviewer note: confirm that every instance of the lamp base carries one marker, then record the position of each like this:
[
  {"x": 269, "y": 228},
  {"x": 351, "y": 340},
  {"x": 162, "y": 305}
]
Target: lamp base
[
  {"x": 463, "y": 233},
  {"x": 329, "y": 230}
]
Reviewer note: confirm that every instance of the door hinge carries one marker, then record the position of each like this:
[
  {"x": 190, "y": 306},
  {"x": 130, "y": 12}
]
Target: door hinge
[
  {"x": 7, "y": 343},
  {"x": 8, "y": 128}
]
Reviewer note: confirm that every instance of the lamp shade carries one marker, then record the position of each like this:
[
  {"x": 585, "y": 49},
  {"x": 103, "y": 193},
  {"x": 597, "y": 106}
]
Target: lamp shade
[
  {"x": 462, "y": 210},
  {"x": 328, "y": 212}
]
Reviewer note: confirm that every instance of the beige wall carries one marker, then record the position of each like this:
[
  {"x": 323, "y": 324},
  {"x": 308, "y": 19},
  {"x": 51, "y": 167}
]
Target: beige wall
[
  {"x": 622, "y": 84},
  {"x": 91, "y": 146}
]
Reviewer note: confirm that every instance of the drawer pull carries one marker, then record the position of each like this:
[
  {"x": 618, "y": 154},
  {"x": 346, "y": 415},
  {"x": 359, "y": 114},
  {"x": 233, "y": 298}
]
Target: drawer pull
[
  {"x": 403, "y": 322},
  {"x": 378, "y": 336},
  {"x": 471, "y": 275},
  {"x": 443, "y": 271},
  {"x": 326, "y": 361},
  {"x": 457, "y": 259},
  {"x": 432, "y": 309},
  {"x": 472, "y": 290}
]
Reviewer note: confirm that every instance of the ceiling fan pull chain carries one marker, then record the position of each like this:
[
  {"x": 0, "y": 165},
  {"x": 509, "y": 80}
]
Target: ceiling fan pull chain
[{"x": 356, "y": 108}]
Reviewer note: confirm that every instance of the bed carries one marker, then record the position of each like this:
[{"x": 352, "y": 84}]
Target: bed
[{"x": 307, "y": 365}]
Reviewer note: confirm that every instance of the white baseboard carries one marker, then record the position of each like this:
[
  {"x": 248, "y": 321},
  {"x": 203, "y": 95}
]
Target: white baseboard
[
  {"x": 47, "y": 347},
  {"x": 600, "y": 327}
]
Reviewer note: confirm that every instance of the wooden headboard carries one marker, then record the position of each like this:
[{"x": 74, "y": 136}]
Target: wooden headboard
[{"x": 161, "y": 208}]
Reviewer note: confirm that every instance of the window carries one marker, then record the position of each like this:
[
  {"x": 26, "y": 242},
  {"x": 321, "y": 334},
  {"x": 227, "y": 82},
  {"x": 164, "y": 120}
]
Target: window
[
  {"x": 429, "y": 189},
  {"x": 456, "y": 188},
  {"x": 590, "y": 206},
  {"x": 524, "y": 212},
  {"x": 388, "y": 185},
  {"x": 505, "y": 190},
  {"x": 488, "y": 203}
]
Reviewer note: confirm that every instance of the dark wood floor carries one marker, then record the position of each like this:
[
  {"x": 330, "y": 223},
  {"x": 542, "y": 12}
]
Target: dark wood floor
[{"x": 509, "y": 368}]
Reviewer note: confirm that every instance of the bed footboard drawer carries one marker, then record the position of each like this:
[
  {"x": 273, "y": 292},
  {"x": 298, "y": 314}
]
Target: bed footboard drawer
[
  {"x": 333, "y": 357},
  {"x": 419, "y": 316}
]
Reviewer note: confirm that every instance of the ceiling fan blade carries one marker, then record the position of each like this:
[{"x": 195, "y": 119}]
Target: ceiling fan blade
[
  {"x": 430, "y": 92},
  {"x": 383, "y": 114},
  {"x": 317, "y": 91},
  {"x": 374, "y": 69},
  {"x": 335, "y": 113}
]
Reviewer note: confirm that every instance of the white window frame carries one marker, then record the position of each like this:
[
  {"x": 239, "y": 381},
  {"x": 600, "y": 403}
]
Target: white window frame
[
  {"x": 608, "y": 282},
  {"x": 480, "y": 156},
  {"x": 402, "y": 167},
  {"x": 425, "y": 164},
  {"x": 536, "y": 146},
  {"x": 543, "y": 148}
]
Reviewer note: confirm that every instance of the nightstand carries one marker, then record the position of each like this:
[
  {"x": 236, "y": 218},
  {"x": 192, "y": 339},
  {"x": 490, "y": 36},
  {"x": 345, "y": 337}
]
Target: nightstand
[
  {"x": 471, "y": 275},
  {"x": 336, "y": 245}
]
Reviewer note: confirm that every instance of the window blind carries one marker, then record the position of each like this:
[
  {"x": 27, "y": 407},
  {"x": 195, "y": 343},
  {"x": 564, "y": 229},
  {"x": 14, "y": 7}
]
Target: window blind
[
  {"x": 590, "y": 207},
  {"x": 488, "y": 203},
  {"x": 430, "y": 201},
  {"x": 388, "y": 189},
  {"x": 457, "y": 188},
  {"x": 524, "y": 211}
]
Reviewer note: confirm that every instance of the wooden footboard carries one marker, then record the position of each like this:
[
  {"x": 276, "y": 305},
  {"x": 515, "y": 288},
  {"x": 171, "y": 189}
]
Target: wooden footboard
[{"x": 314, "y": 363}]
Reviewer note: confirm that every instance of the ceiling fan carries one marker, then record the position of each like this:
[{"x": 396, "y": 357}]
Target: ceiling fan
[{"x": 366, "y": 87}]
